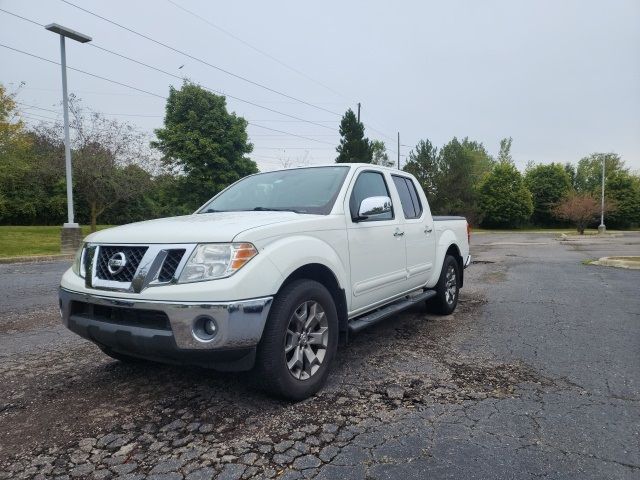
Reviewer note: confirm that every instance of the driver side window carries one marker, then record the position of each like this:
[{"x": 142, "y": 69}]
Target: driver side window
[{"x": 369, "y": 184}]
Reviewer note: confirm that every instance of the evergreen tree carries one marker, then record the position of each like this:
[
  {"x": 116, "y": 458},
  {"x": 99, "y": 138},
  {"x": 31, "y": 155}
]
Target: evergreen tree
[
  {"x": 505, "y": 200},
  {"x": 423, "y": 164},
  {"x": 354, "y": 147}
]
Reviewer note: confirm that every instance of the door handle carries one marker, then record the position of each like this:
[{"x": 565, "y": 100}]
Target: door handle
[
  {"x": 398, "y": 234},
  {"x": 428, "y": 229}
]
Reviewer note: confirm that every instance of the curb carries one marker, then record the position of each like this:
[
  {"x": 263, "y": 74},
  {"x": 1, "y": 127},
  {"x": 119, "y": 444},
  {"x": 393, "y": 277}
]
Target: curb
[
  {"x": 632, "y": 263},
  {"x": 35, "y": 258}
]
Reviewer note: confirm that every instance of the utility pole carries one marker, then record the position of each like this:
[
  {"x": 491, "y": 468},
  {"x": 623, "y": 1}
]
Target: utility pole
[
  {"x": 71, "y": 234},
  {"x": 398, "y": 150},
  {"x": 601, "y": 227},
  {"x": 358, "y": 112}
]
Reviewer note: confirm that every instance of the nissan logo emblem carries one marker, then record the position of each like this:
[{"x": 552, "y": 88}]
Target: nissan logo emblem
[{"x": 116, "y": 263}]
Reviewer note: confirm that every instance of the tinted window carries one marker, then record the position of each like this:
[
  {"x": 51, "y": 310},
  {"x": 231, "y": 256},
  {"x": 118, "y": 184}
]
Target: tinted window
[
  {"x": 405, "y": 197},
  {"x": 369, "y": 184},
  {"x": 408, "y": 197},
  {"x": 417, "y": 206},
  {"x": 304, "y": 190}
]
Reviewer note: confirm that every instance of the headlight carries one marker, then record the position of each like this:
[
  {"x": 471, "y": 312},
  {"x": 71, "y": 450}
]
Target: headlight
[
  {"x": 78, "y": 263},
  {"x": 216, "y": 260}
]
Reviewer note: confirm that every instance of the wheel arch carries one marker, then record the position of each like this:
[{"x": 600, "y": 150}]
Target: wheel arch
[
  {"x": 454, "y": 251},
  {"x": 324, "y": 275}
]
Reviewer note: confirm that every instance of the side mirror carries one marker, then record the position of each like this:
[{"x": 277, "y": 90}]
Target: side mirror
[{"x": 372, "y": 207}]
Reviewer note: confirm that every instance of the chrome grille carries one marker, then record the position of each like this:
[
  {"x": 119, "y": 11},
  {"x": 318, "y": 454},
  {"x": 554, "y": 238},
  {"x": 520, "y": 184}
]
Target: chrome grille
[
  {"x": 133, "y": 256},
  {"x": 170, "y": 264}
]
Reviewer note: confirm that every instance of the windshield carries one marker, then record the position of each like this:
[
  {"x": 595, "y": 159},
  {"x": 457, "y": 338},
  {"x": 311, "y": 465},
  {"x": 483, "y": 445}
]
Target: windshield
[{"x": 301, "y": 190}]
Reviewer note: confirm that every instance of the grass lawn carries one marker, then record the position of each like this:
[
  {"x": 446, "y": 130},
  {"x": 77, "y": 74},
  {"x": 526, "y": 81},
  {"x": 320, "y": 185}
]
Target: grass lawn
[{"x": 16, "y": 241}]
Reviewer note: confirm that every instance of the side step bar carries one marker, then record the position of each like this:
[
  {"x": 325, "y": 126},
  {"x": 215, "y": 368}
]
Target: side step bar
[{"x": 376, "y": 316}]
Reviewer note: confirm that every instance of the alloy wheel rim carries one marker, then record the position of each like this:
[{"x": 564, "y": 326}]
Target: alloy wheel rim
[
  {"x": 306, "y": 340},
  {"x": 451, "y": 285}
]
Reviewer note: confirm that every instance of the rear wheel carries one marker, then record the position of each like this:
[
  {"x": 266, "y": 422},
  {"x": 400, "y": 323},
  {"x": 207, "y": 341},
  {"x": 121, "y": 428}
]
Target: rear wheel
[
  {"x": 299, "y": 341},
  {"x": 447, "y": 288}
]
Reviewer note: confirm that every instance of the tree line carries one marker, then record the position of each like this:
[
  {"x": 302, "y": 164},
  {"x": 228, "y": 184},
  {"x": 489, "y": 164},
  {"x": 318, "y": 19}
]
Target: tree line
[
  {"x": 121, "y": 175},
  {"x": 462, "y": 178}
]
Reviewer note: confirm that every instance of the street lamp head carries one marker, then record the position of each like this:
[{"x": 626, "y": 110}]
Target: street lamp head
[{"x": 67, "y": 32}]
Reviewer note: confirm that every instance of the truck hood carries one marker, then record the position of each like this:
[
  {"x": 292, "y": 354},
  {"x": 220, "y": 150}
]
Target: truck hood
[{"x": 197, "y": 228}]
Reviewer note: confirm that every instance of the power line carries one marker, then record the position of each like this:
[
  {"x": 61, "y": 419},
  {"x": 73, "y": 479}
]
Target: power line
[
  {"x": 253, "y": 47},
  {"x": 278, "y": 61},
  {"x": 157, "y": 69},
  {"x": 82, "y": 71},
  {"x": 210, "y": 89},
  {"x": 31, "y": 116},
  {"x": 199, "y": 60},
  {"x": 145, "y": 91},
  {"x": 292, "y": 134},
  {"x": 204, "y": 62},
  {"x": 37, "y": 108},
  {"x": 294, "y": 148}
]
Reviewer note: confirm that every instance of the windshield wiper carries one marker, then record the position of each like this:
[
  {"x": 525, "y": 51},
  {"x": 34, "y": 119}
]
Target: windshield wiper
[
  {"x": 213, "y": 210},
  {"x": 268, "y": 209}
]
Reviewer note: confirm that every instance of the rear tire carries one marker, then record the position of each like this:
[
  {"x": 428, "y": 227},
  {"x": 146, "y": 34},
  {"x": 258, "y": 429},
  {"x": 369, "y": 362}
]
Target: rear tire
[
  {"x": 447, "y": 289},
  {"x": 299, "y": 341}
]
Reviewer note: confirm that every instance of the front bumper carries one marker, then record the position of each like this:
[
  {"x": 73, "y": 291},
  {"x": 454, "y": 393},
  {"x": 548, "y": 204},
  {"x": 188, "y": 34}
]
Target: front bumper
[{"x": 161, "y": 330}]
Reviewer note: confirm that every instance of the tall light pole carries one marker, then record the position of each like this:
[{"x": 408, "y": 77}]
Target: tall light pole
[
  {"x": 71, "y": 235},
  {"x": 601, "y": 227}
]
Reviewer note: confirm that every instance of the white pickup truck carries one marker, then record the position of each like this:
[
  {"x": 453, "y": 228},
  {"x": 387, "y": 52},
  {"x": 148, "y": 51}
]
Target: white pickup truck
[{"x": 269, "y": 274}]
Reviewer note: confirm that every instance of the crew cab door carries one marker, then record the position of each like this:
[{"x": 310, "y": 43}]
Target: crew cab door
[
  {"x": 419, "y": 232},
  {"x": 376, "y": 244}
]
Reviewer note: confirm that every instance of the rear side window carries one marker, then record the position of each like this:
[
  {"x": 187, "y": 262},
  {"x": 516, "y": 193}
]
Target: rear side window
[
  {"x": 411, "y": 206},
  {"x": 369, "y": 184}
]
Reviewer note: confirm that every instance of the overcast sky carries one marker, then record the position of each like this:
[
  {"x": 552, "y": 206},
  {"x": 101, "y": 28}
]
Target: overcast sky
[{"x": 560, "y": 77}]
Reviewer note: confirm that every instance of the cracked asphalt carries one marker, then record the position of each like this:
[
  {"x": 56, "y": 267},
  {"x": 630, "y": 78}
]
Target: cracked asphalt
[{"x": 537, "y": 374}]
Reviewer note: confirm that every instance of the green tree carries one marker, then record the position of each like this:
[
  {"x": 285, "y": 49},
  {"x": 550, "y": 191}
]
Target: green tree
[
  {"x": 548, "y": 184},
  {"x": 354, "y": 147},
  {"x": 462, "y": 165},
  {"x": 589, "y": 171},
  {"x": 450, "y": 176},
  {"x": 504, "y": 155},
  {"x": 623, "y": 191},
  {"x": 571, "y": 171},
  {"x": 379, "y": 154},
  {"x": 505, "y": 200},
  {"x": 26, "y": 188},
  {"x": 423, "y": 164},
  {"x": 203, "y": 141}
]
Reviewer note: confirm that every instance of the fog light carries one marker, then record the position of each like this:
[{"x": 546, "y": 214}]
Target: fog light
[{"x": 205, "y": 328}]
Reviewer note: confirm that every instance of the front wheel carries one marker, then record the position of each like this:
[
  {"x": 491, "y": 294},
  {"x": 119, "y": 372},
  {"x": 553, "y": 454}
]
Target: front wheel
[
  {"x": 447, "y": 288},
  {"x": 299, "y": 341}
]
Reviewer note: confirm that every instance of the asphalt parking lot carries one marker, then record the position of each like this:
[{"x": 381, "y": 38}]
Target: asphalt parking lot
[{"x": 537, "y": 374}]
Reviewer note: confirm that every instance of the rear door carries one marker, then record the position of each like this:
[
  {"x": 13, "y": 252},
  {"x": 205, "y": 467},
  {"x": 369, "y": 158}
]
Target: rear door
[
  {"x": 419, "y": 232},
  {"x": 377, "y": 250}
]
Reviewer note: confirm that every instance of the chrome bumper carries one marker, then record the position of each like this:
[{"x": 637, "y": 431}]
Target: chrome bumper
[
  {"x": 240, "y": 323},
  {"x": 467, "y": 261}
]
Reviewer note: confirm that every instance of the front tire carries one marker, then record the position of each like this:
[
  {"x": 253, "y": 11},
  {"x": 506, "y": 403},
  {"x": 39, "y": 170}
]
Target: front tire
[
  {"x": 299, "y": 341},
  {"x": 447, "y": 288}
]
